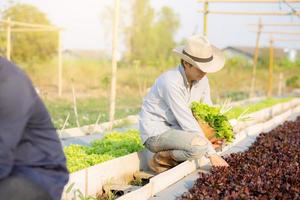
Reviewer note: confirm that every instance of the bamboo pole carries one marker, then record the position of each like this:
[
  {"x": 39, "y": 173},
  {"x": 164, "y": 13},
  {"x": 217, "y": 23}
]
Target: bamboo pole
[
  {"x": 280, "y": 13},
  {"x": 8, "y": 39},
  {"x": 278, "y": 24},
  {"x": 114, "y": 64},
  {"x": 280, "y": 84},
  {"x": 249, "y": 1},
  {"x": 255, "y": 58},
  {"x": 64, "y": 125},
  {"x": 287, "y": 40},
  {"x": 28, "y": 25},
  {"x": 281, "y": 33},
  {"x": 59, "y": 57},
  {"x": 271, "y": 63},
  {"x": 205, "y": 18},
  {"x": 30, "y": 30},
  {"x": 75, "y": 105}
]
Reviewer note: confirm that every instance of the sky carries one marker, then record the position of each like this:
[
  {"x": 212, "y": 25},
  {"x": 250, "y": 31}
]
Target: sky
[{"x": 86, "y": 27}]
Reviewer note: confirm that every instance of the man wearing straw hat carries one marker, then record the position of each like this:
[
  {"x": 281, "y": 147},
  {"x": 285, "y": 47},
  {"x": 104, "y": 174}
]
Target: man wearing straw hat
[
  {"x": 168, "y": 127},
  {"x": 32, "y": 162}
]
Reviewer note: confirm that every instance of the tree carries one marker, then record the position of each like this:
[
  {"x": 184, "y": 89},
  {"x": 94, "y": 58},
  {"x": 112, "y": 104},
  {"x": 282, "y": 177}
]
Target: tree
[
  {"x": 165, "y": 28},
  {"x": 29, "y": 47},
  {"x": 149, "y": 39},
  {"x": 139, "y": 33}
]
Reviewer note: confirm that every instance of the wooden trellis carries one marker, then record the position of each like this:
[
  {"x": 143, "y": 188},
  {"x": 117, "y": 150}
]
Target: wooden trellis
[
  {"x": 205, "y": 12},
  {"x": 271, "y": 56},
  {"x": 11, "y": 26},
  {"x": 271, "y": 42}
]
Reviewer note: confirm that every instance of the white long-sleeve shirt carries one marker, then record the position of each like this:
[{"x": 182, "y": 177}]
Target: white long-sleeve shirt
[{"x": 167, "y": 105}]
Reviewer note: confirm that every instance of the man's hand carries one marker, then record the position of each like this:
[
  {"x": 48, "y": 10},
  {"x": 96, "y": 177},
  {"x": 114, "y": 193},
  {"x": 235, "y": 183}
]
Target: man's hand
[
  {"x": 217, "y": 143},
  {"x": 218, "y": 161}
]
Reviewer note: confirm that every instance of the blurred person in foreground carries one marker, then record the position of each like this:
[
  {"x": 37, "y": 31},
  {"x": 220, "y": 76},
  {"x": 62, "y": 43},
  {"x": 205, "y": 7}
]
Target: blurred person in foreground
[
  {"x": 32, "y": 162},
  {"x": 167, "y": 125}
]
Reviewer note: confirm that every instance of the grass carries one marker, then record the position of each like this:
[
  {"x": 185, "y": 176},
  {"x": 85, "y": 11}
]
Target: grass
[
  {"x": 237, "y": 111},
  {"x": 89, "y": 109},
  {"x": 91, "y": 80}
]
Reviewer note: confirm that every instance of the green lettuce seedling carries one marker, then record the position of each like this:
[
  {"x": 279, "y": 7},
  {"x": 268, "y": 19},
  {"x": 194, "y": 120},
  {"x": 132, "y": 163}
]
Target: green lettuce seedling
[{"x": 213, "y": 116}]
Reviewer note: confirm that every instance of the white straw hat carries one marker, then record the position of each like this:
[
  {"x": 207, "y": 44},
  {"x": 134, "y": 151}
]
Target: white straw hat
[{"x": 201, "y": 54}]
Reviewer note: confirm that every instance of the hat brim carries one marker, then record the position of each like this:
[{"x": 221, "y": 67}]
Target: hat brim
[{"x": 216, "y": 64}]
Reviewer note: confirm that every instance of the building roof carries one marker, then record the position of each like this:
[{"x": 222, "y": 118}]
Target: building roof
[
  {"x": 249, "y": 51},
  {"x": 91, "y": 54}
]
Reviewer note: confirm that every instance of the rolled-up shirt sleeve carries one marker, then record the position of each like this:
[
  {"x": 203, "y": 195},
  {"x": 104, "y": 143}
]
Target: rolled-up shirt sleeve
[
  {"x": 16, "y": 100},
  {"x": 175, "y": 99}
]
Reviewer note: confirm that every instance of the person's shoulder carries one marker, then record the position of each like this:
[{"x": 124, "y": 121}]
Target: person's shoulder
[
  {"x": 12, "y": 75},
  {"x": 5, "y": 63},
  {"x": 171, "y": 76},
  {"x": 171, "y": 80},
  {"x": 8, "y": 68},
  {"x": 205, "y": 79}
]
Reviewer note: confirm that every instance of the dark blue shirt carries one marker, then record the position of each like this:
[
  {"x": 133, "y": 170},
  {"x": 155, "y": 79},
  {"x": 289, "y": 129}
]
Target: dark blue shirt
[{"x": 29, "y": 144}]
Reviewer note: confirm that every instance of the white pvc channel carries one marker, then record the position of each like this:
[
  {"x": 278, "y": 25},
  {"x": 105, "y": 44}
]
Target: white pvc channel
[
  {"x": 90, "y": 180},
  {"x": 95, "y": 128}
]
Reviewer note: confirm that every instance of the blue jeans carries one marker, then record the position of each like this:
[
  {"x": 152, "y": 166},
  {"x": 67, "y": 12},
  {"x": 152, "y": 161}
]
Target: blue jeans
[
  {"x": 17, "y": 187},
  {"x": 183, "y": 145}
]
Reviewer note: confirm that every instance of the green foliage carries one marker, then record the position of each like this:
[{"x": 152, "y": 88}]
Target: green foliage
[
  {"x": 151, "y": 40},
  {"x": 29, "y": 47},
  {"x": 236, "y": 95},
  {"x": 140, "y": 34},
  {"x": 215, "y": 119},
  {"x": 237, "y": 111},
  {"x": 137, "y": 182},
  {"x": 220, "y": 122},
  {"x": 117, "y": 144},
  {"x": 107, "y": 196},
  {"x": 281, "y": 62},
  {"x": 81, "y": 196},
  {"x": 237, "y": 62},
  {"x": 113, "y": 145},
  {"x": 78, "y": 159},
  {"x": 286, "y": 63},
  {"x": 263, "y": 59},
  {"x": 293, "y": 81},
  {"x": 165, "y": 28}
]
